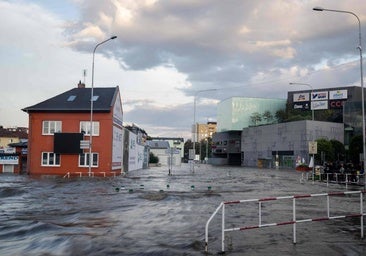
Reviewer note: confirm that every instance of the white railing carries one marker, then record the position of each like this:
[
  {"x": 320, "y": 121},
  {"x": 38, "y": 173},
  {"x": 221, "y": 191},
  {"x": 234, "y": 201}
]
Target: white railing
[
  {"x": 292, "y": 222},
  {"x": 92, "y": 174}
]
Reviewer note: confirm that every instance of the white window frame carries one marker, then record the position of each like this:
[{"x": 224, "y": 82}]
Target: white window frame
[
  {"x": 84, "y": 160},
  {"x": 50, "y": 127},
  {"x": 50, "y": 156},
  {"x": 85, "y": 128}
]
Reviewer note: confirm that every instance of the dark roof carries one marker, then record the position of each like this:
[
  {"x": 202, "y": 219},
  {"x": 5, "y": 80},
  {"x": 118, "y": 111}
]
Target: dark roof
[
  {"x": 78, "y": 100},
  {"x": 154, "y": 144},
  {"x": 10, "y": 133}
]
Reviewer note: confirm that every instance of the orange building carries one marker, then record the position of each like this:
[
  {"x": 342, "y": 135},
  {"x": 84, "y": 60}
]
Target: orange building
[{"x": 58, "y": 126}]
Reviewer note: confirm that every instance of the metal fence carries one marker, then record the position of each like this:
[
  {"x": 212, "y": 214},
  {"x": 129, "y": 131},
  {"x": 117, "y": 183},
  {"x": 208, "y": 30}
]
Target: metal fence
[{"x": 294, "y": 221}]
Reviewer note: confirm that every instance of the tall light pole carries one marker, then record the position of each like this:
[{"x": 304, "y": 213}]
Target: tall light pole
[
  {"x": 194, "y": 119},
  {"x": 312, "y": 115},
  {"x": 359, "y": 47},
  {"x": 91, "y": 105},
  {"x": 311, "y": 93}
]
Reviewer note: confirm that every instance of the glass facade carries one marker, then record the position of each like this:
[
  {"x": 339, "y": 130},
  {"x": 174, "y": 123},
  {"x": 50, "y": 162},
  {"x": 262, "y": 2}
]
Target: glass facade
[{"x": 237, "y": 113}]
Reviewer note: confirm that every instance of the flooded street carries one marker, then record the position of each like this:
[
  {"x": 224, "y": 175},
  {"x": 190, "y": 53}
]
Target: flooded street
[{"x": 148, "y": 212}]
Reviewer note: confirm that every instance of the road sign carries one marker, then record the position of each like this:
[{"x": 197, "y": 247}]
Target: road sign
[
  {"x": 313, "y": 147},
  {"x": 84, "y": 144}
]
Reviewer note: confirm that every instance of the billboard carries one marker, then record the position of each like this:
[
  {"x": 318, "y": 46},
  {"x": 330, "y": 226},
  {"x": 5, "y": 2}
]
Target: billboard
[
  {"x": 117, "y": 148},
  {"x": 319, "y": 95},
  {"x": 301, "y": 105},
  {"x": 338, "y": 95},
  {"x": 67, "y": 143},
  {"x": 336, "y": 104},
  {"x": 316, "y": 105},
  {"x": 301, "y": 97}
]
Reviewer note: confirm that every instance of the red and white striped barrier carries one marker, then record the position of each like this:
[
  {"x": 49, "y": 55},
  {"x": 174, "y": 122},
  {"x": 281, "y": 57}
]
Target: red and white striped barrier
[{"x": 294, "y": 220}]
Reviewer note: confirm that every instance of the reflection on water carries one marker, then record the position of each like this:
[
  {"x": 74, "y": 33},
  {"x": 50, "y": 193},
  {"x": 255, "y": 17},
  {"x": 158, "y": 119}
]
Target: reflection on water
[{"x": 148, "y": 212}]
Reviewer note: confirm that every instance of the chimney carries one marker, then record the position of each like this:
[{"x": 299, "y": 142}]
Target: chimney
[{"x": 81, "y": 85}]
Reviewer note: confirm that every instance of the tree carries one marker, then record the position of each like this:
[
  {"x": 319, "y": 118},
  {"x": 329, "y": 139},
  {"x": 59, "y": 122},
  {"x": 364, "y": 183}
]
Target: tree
[
  {"x": 206, "y": 148},
  {"x": 256, "y": 118},
  {"x": 281, "y": 116},
  {"x": 355, "y": 148},
  {"x": 187, "y": 146},
  {"x": 153, "y": 159},
  {"x": 338, "y": 150},
  {"x": 267, "y": 117},
  {"x": 326, "y": 147}
]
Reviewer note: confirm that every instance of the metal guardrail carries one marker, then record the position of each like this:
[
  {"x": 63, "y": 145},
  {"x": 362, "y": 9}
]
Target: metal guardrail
[
  {"x": 92, "y": 174},
  {"x": 292, "y": 222}
]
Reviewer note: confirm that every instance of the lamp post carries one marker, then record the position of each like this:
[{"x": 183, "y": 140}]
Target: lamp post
[
  {"x": 359, "y": 47},
  {"x": 312, "y": 115},
  {"x": 312, "y": 110},
  {"x": 91, "y": 106},
  {"x": 194, "y": 120}
]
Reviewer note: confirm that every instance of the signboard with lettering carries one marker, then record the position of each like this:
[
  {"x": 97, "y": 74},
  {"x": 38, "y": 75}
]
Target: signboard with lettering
[
  {"x": 301, "y": 105},
  {"x": 338, "y": 95},
  {"x": 336, "y": 104},
  {"x": 319, "y": 95},
  {"x": 301, "y": 97},
  {"x": 9, "y": 159},
  {"x": 316, "y": 105},
  {"x": 313, "y": 147}
]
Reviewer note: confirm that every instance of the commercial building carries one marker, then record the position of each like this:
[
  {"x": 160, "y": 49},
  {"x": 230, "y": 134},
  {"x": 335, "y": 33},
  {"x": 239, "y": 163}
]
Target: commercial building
[
  {"x": 263, "y": 146},
  {"x": 13, "y": 151},
  {"x": 236, "y": 113},
  {"x": 233, "y": 115},
  {"x": 340, "y": 104},
  {"x": 60, "y": 130},
  {"x": 337, "y": 115},
  {"x": 205, "y": 131}
]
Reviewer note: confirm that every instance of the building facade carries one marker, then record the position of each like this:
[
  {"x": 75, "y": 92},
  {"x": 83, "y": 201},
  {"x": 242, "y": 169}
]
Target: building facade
[
  {"x": 60, "y": 129},
  {"x": 167, "y": 155},
  {"x": 174, "y": 143},
  {"x": 226, "y": 148},
  {"x": 205, "y": 131},
  {"x": 262, "y": 146},
  {"x": 236, "y": 113}
]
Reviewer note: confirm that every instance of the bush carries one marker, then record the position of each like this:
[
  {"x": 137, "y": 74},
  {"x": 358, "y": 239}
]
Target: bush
[{"x": 153, "y": 159}]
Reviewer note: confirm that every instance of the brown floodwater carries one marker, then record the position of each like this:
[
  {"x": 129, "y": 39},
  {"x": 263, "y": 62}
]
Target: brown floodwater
[{"x": 148, "y": 212}]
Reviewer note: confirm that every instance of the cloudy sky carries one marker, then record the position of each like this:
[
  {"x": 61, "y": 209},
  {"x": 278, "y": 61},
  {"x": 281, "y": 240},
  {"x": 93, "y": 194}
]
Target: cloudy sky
[{"x": 167, "y": 51}]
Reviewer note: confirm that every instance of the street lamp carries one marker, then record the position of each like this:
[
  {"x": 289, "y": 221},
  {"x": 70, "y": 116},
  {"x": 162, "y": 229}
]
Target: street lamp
[
  {"x": 359, "y": 47},
  {"x": 91, "y": 105},
  {"x": 311, "y": 107},
  {"x": 194, "y": 120},
  {"x": 312, "y": 114}
]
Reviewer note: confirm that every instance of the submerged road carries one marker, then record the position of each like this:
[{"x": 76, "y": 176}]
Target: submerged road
[{"x": 148, "y": 212}]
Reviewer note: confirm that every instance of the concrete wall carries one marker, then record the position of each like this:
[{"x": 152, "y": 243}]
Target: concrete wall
[{"x": 260, "y": 142}]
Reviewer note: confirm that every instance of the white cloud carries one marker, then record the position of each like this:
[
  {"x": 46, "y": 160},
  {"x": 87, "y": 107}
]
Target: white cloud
[{"x": 167, "y": 50}]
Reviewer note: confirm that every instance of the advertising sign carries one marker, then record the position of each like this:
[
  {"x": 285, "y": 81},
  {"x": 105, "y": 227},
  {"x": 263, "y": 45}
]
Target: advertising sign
[
  {"x": 336, "y": 104},
  {"x": 301, "y": 97},
  {"x": 319, "y": 95},
  {"x": 9, "y": 159},
  {"x": 316, "y": 105},
  {"x": 313, "y": 147},
  {"x": 338, "y": 95},
  {"x": 301, "y": 105},
  {"x": 117, "y": 148},
  {"x": 118, "y": 112}
]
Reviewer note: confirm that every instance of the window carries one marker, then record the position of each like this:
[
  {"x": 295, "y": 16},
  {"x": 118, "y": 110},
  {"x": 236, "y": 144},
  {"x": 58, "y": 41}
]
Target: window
[
  {"x": 50, "y": 127},
  {"x": 85, "y": 128},
  {"x": 71, "y": 98},
  {"x": 84, "y": 160},
  {"x": 95, "y": 97},
  {"x": 50, "y": 159}
]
